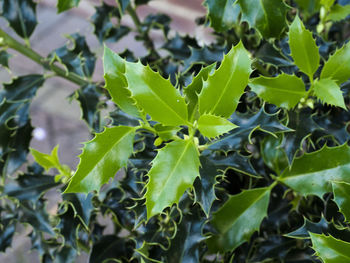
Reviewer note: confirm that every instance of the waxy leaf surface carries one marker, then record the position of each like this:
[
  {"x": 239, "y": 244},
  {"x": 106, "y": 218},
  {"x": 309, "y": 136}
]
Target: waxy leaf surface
[
  {"x": 303, "y": 47},
  {"x": 212, "y": 126},
  {"x": 64, "y": 5},
  {"x": 337, "y": 66},
  {"x": 313, "y": 172},
  {"x": 101, "y": 158},
  {"x": 341, "y": 192},
  {"x": 155, "y": 95},
  {"x": 222, "y": 90},
  {"x": 330, "y": 249},
  {"x": 223, "y": 14},
  {"x": 174, "y": 169},
  {"x": 238, "y": 219},
  {"x": 328, "y": 91},
  {"x": 283, "y": 91},
  {"x": 259, "y": 14}
]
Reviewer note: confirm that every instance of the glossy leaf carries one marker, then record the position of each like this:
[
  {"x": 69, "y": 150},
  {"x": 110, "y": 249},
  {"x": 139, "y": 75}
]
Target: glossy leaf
[
  {"x": 174, "y": 170},
  {"x": 155, "y": 95},
  {"x": 303, "y": 47},
  {"x": 272, "y": 153},
  {"x": 283, "y": 91},
  {"x": 341, "y": 192},
  {"x": 338, "y": 12},
  {"x": 257, "y": 13},
  {"x": 204, "y": 56},
  {"x": 222, "y": 90},
  {"x": 238, "y": 219},
  {"x": 337, "y": 66},
  {"x": 313, "y": 172},
  {"x": 192, "y": 90},
  {"x": 223, "y": 14},
  {"x": 47, "y": 161},
  {"x": 64, "y": 5},
  {"x": 101, "y": 158},
  {"x": 212, "y": 126},
  {"x": 21, "y": 15},
  {"x": 330, "y": 249},
  {"x": 116, "y": 84},
  {"x": 328, "y": 91},
  {"x": 166, "y": 133}
]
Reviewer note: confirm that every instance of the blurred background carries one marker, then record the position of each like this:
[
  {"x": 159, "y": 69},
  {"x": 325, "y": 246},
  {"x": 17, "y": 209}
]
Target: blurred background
[{"x": 56, "y": 118}]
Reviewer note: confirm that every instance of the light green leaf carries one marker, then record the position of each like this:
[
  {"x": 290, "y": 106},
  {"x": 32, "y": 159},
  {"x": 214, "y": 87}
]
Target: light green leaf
[
  {"x": 303, "y": 47},
  {"x": 313, "y": 172},
  {"x": 213, "y": 126},
  {"x": 155, "y": 95},
  {"x": 222, "y": 90},
  {"x": 338, "y": 12},
  {"x": 101, "y": 158},
  {"x": 223, "y": 14},
  {"x": 337, "y": 66},
  {"x": 47, "y": 161},
  {"x": 192, "y": 90},
  {"x": 328, "y": 91},
  {"x": 341, "y": 192},
  {"x": 173, "y": 171},
  {"x": 330, "y": 249},
  {"x": 166, "y": 133},
  {"x": 327, "y": 3},
  {"x": 116, "y": 84},
  {"x": 64, "y": 5},
  {"x": 259, "y": 15},
  {"x": 238, "y": 219},
  {"x": 283, "y": 91}
]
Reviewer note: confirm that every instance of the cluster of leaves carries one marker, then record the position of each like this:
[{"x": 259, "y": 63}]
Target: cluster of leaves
[{"x": 241, "y": 157}]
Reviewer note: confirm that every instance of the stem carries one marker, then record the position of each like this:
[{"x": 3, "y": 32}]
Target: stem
[
  {"x": 147, "y": 40},
  {"x": 31, "y": 54}
]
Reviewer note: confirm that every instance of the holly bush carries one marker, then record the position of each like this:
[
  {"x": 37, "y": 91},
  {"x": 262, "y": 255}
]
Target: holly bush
[{"x": 235, "y": 151}]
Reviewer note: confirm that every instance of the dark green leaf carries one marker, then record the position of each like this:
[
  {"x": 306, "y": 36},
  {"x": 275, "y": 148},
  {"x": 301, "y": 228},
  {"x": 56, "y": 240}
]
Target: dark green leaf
[
  {"x": 272, "y": 153},
  {"x": 223, "y": 14},
  {"x": 64, "y": 5},
  {"x": 341, "y": 192},
  {"x": 4, "y": 58},
  {"x": 7, "y": 231},
  {"x": 123, "y": 4}
]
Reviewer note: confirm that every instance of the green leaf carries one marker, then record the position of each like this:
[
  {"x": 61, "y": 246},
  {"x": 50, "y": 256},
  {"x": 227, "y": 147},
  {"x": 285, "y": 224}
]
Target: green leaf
[
  {"x": 327, "y": 3},
  {"x": 47, "y": 161},
  {"x": 338, "y": 13},
  {"x": 303, "y": 47},
  {"x": 155, "y": 95},
  {"x": 330, "y": 249},
  {"x": 309, "y": 7},
  {"x": 272, "y": 153},
  {"x": 222, "y": 90},
  {"x": 313, "y": 172},
  {"x": 238, "y": 219},
  {"x": 4, "y": 58},
  {"x": 64, "y": 5},
  {"x": 192, "y": 90},
  {"x": 283, "y": 91},
  {"x": 101, "y": 158},
  {"x": 337, "y": 66},
  {"x": 328, "y": 91},
  {"x": 173, "y": 171},
  {"x": 223, "y": 14},
  {"x": 123, "y": 4},
  {"x": 116, "y": 84},
  {"x": 341, "y": 192},
  {"x": 258, "y": 14},
  {"x": 166, "y": 133},
  {"x": 212, "y": 126},
  {"x": 21, "y": 14}
]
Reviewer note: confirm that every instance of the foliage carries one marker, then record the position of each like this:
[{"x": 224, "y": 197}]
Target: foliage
[{"x": 237, "y": 151}]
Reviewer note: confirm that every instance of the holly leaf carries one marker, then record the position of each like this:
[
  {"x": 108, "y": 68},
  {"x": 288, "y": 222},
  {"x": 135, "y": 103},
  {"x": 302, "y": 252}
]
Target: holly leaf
[
  {"x": 257, "y": 14},
  {"x": 7, "y": 231},
  {"x": 272, "y": 154},
  {"x": 166, "y": 133},
  {"x": 155, "y": 95},
  {"x": 192, "y": 90},
  {"x": 338, "y": 12},
  {"x": 123, "y": 4},
  {"x": 64, "y": 5},
  {"x": 21, "y": 15},
  {"x": 328, "y": 91},
  {"x": 47, "y": 161},
  {"x": 212, "y": 126},
  {"x": 341, "y": 192},
  {"x": 238, "y": 219},
  {"x": 337, "y": 67},
  {"x": 283, "y": 91},
  {"x": 309, "y": 7},
  {"x": 4, "y": 58},
  {"x": 205, "y": 56},
  {"x": 116, "y": 84},
  {"x": 223, "y": 14},
  {"x": 101, "y": 158},
  {"x": 174, "y": 170},
  {"x": 309, "y": 175},
  {"x": 303, "y": 47},
  {"x": 222, "y": 90},
  {"x": 330, "y": 249}
]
